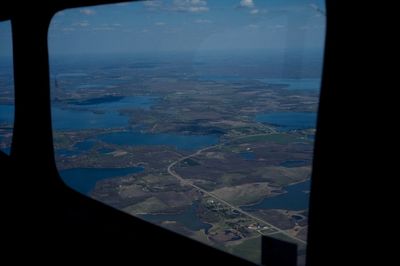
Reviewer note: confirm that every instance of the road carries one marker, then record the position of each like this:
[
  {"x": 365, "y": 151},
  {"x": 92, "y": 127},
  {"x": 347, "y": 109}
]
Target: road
[{"x": 205, "y": 192}]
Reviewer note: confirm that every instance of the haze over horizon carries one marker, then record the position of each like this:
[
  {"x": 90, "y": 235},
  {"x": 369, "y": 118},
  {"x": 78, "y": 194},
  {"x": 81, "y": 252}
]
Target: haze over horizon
[{"x": 184, "y": 25}]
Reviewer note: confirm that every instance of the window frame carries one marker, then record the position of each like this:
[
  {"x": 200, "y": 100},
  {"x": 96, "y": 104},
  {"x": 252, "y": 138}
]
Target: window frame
[{"x": 24, "y": 149}]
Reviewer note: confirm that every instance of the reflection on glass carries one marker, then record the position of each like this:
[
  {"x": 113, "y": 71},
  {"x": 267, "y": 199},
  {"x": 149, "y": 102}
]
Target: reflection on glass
[
  {"x": 198, "y": 116},
  {"x": 6, "y": 87}
]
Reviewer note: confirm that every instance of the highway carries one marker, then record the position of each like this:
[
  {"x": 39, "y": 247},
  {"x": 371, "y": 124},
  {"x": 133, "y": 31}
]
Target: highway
[{"x": 205, "y": 192}]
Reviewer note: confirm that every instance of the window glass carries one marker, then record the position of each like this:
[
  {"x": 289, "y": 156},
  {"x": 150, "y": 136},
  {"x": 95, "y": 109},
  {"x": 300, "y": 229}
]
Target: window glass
[
  {"x": 6, "y": 87},
  {"x": 198, "y": 116}
]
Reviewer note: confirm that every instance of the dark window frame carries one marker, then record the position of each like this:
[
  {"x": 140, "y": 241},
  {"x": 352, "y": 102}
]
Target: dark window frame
[{"x": 73, "y": 215}]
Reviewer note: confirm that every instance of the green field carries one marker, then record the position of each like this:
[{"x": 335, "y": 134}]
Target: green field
[{"x": 249, "y": 249}]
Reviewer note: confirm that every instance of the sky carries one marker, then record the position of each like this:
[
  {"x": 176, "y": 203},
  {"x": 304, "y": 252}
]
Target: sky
[{"x": 184, "y": 25}]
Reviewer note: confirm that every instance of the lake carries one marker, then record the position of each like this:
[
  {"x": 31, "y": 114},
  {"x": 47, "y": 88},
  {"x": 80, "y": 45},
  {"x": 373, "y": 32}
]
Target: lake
[
  {"x": 6, "y": 150},
  {"x": 66, "y": 153},
  {"x": 85, "y": 145},
  {"x": 295, "y": 199},
  {"x": 182, "y": 142},
  {"x": 289, "y": 120},
  {"x": 106, "y": 115},
  {"x": 6, "y": 118},
  {"x": 294, "y": 84},
  {"x": 6, "y": 114},
  {"x": 80, "y": 148},
  {"x": 81, "y": 117},
  {"x": 72, "y": 120},
  {"x": 102, "y": 114},
  {"x": 189, "y": 218},
  {"x": 115, "y": 103},
  {"x": 84, "y": 180}
]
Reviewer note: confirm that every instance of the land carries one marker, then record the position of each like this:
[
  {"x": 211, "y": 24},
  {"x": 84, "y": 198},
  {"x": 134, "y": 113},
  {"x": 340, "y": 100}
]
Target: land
[{"x": 218, "y": 178}]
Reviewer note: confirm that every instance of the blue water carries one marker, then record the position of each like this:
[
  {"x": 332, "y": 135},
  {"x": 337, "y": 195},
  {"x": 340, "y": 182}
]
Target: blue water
[
  {"x": 6, "y": 117},
  {"x": 183, "y": 142},
  {"x": 81, "y": 147},
  {"x": 142, "y": 102},
  {"x": 6, "y": 114},
  {"x": 189, "y": 218},
  {"x": 80, "y": 81},
  {"x": 84, "y": 179},
  {"x": 6, "y": 150},
  {"x": 66, "y": 153},
  {"x": 80, "y": 118},
  {"x": 248, "y": 155},
  {"x": 295, "y": 84},
  {"x": 85, "y": 145},
  {"x": 289, "y": 120},
  {"x": 295, "y": 199},
  {"x": 68, "y": 119}
]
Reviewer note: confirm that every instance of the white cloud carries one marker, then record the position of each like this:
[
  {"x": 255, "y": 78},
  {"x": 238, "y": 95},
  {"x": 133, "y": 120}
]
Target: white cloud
[
  {"x": 193, "y": 6},
  {"x": 196, "y": 9},
  {"x": 250, "y": 5},
  {"x": 104, "y": 28},
  {"x": 68, "y": 29},
  {"x": 82, "y": 24},
  {"x": 254, "y": 11},
  {"x": 152, "y": 3},
  {"x": 87, "y": 11},
  {"x": 159, "y": 23},
  {"x": 203, "y": 21},
  {"x": 108, "y": 27},
  {"x": 113, "y": 25},
  {"x": 122, "y": 4},
  {"x": 277, "y": 26},
  {"x": 247, "y": 3}
]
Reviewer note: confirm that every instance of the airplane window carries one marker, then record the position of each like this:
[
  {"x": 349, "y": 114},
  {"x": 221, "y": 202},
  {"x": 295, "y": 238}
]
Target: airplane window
[
  {"x": 6, "y": 87},
  {"x": 198, "y": 116}
]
